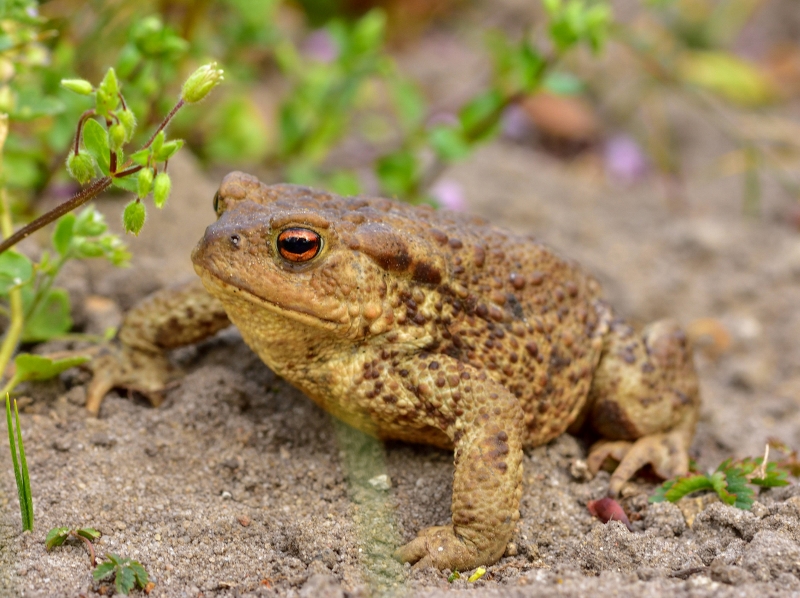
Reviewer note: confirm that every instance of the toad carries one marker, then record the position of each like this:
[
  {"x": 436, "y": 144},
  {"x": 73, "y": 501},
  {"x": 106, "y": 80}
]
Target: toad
[{"x": 429, "y": 327}]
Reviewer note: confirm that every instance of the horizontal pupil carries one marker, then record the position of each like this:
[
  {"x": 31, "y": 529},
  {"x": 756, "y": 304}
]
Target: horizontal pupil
[{"x": 298, "y": 244}]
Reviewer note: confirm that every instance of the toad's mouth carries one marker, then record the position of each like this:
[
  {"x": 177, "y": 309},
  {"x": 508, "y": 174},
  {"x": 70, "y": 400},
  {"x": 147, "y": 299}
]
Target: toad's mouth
[{"x": 231, "y": 289}]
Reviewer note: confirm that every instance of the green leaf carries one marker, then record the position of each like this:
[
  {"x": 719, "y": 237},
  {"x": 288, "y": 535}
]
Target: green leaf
[
  {"x": 37, "y": 367},
  {"x": 727, "y": 76},
  {"x": 563, "y": 84},
  {"x": 15, "y": 270},
  {"x": 674, "y": 490},
  {"x": 51, "y": 317},
  {"x": 133, "y": 217},
  {"x": 142, "y": 578},
  {"x": 168, "y": 150},
  {"x": 103, "y": 570},
  {"x": 142, "y": 157},
  {"x": 62, "y": 235},
  {"x": 448, "y": 143},
  {"x": 89, "y": 533},
  {"x": 397, "y": 173},
  {"x": 125, "y": 580},
  {"x": 95, "y": 139},
  {"x": 128, "y": 183},
  {"x": 367, "y": 35},
  {"x": 480, "y": 116},
  {"x": 20, "y": 468},
  {"x": 90, "y": 223},
  {"x": 409, "y": 103},
  {"x": 343, "y": 182},
  {"x": 774, "y": 477},
  {"x": 56, "y": 537}
]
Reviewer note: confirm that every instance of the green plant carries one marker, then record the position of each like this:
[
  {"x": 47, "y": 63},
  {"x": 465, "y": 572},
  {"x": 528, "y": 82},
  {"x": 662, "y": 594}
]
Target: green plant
[
  {"x": 58, "y": 535},
  {"x": 36, "y": 310},
  {"x": 127, "y": 573},
  {"x": 20, "y": 468},
  {"x": 326, "y": 96},
  {"x": 732, "y": 481}
]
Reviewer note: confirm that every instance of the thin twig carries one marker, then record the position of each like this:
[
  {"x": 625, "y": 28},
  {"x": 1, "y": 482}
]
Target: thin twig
[
  {"x": 84, "y": 117},
  {"x": 77, "y": 200},
  {"x": 164, "y": 123},
  {"x": 16, "y": 319},
  {"x": 89, "y": 547}
]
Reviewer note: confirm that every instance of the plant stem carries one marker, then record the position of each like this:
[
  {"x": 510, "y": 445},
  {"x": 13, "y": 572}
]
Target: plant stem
[
  {"x": 89, "y": 547},
  {"x": 164, "y": 122},
  {"x": 77, "y": 200},
  {"x": 16, "y": 319}
]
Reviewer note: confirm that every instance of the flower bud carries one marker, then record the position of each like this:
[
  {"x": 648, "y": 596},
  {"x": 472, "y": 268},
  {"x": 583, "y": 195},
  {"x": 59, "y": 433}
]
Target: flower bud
[
  {"x": 81, "y": 167},
  {"x": 161, "y": 189},
  {"x": 116, "y": 137},
  {"x": 201, "y": 82},
  {"x": 145, "y": 182},
  {"x": 133, "y": 217},
  {"x": 81, "y": 86}
]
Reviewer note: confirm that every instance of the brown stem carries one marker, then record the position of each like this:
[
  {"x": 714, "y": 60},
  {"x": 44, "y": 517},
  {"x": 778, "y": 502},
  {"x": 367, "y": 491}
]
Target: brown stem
[
  {"x": 80, "y": 198},
  {"x": 122, "y": 101},
  {"x": 130, "y": 171},
  {"x": 89, "y": 547},
  {"x": 164, "y": 122},
  {"x": 112, "y": 163},
  {"x": 86, "y": 115}
]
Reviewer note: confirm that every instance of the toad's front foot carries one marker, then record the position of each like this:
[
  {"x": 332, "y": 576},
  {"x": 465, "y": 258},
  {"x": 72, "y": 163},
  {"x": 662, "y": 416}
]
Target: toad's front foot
[
  {"x": 120, "y": 366},
  {"x": 442, "y": 548}
]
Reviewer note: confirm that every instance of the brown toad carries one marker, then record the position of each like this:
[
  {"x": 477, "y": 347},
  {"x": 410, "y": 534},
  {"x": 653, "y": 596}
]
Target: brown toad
[{"x": 429, "y": 327}]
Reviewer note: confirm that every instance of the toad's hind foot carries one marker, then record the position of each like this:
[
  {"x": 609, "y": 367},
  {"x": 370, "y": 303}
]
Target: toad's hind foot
[
  {"x": 441, "y": 548},
  {"x": 666, "y": 453}
]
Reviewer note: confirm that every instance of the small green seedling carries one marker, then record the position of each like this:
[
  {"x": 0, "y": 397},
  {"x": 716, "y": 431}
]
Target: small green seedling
[
  {"x": 454, "y": 576},
  {"x": 20, "y": 468},
  {"x": 128, "y": 573},
  {"x": 58, "y": 535},
  {"x": 732, "y": 481}
]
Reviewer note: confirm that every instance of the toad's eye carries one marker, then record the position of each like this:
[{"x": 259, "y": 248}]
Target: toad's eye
[
  {"x": 216, "y": 203},
  {"x": 299, "y": 244}
]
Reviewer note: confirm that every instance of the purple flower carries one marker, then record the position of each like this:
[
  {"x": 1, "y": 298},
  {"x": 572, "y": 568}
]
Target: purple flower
[
  {"x": 624, "y": 160},
  {"x": 449, "y": 194},
  {"x": 516, "y": 123},
  {"x": 320, "y": 46}
]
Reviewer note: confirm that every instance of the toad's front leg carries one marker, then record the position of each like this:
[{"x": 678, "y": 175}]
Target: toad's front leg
[
  {"x": 172, "y": 317},
  {"x": 484, "y": 422}
]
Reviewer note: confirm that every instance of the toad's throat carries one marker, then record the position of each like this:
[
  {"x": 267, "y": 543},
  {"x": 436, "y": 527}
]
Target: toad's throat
[{"x": 229, "y": 289}]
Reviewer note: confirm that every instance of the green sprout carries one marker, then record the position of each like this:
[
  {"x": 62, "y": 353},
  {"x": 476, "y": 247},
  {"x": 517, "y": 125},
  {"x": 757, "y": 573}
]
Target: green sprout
[
  {"x": 732, "y": 481},
  {"x": 20, "y": 468},
  {"x": 58, "y": 535},
  {"x": 127, "y": 573}
]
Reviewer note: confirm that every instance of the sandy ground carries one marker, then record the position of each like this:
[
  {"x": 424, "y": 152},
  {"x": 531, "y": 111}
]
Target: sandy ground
[{"x": 239, "y": 486}]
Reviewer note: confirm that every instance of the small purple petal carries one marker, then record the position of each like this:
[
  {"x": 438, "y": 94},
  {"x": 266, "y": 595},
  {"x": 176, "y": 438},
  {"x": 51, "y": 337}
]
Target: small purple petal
[
  {"x": 320, "y": 46},
  {"x": 450, "y": 195},
  {"x": 624, "y": 160},
  {"x": 516, "y": 123}
]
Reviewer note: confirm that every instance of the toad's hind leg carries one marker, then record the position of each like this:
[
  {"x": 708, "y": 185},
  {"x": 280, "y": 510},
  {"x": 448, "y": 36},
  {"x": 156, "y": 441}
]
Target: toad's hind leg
[{"x": 644, "y": 402}]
